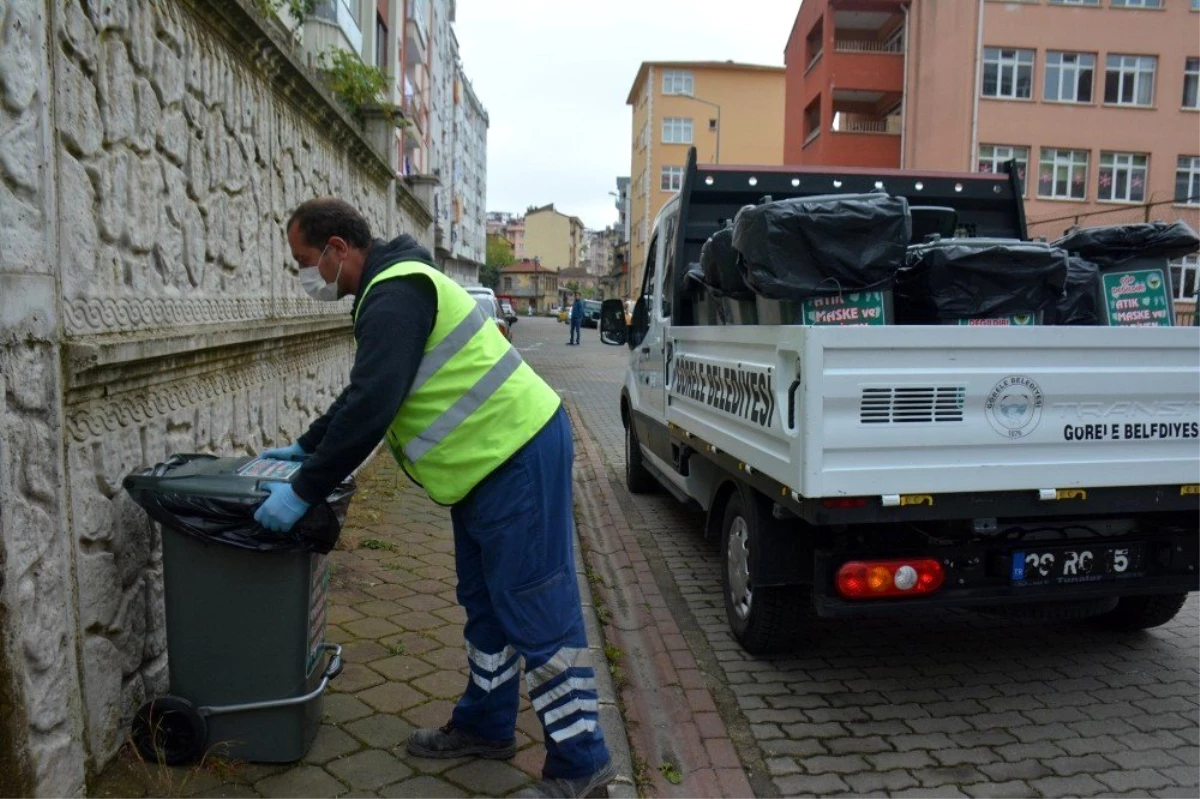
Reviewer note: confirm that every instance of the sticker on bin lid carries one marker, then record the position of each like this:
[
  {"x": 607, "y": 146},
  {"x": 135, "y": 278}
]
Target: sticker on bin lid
[{"x": 269, "y": 467}]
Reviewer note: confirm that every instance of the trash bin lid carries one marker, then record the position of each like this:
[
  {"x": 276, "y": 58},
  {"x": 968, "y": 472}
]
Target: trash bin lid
[
  {"x": 210, "y": 476},
  {"x": 215, "y": 499}
]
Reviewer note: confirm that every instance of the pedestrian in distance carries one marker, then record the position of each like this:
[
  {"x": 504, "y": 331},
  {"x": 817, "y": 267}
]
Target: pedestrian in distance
[
  {"x": 472, "y": 423},
  {"x": 576, "y": 319}
]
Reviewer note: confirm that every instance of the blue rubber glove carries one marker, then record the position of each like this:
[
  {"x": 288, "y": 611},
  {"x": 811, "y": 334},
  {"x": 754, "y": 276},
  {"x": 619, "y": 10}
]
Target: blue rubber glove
[
  {"x": 292, "y": 452},
  {"x": 282, "y": 509}
]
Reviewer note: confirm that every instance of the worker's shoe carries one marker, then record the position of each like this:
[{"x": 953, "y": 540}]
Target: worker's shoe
[
  {"x": 447, "y": 742},
  {"x": 593, "y": 785}
]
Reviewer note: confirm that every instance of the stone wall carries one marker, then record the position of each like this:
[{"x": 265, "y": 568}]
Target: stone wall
[{"x": 150, "y": 153}]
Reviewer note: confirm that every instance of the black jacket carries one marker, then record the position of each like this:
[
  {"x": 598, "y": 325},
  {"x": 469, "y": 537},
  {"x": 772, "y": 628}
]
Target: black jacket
[{"x": 392, "y": 328}]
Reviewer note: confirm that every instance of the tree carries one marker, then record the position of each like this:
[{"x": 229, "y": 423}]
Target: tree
[{"x": 499, "y": 255}]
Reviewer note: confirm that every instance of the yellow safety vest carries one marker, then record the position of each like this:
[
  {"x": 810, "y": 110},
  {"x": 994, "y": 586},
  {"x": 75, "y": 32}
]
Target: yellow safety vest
[{"x": 473, "y": 403}]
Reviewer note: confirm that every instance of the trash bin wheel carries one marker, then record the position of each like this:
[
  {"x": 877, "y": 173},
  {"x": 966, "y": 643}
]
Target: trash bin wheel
[{"x": 169, "y": 730}]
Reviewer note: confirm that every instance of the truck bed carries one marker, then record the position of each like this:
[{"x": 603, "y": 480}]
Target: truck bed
[{"x": 832, "y": 411}]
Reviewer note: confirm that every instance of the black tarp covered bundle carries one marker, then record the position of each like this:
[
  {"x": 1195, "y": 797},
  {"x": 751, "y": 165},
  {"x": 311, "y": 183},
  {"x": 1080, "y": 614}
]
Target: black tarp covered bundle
[
  {"x": 229, "y": 520},
  {"x": 1114, "y": 245},
  {"x": 719, "y": 264},
  {"x": 954, "y": 279},
  {"x": 807, "y": 247},
  {"x": 1080, "y": 303}
]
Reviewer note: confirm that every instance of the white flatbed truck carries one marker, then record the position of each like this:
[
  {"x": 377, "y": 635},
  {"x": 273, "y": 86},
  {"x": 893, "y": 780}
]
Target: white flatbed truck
[{"x": 1043, "y": 471}]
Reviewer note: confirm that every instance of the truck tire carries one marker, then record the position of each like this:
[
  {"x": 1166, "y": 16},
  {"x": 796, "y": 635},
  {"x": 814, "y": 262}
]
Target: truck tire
[
  {"x": 1142, "y": 612},
  {"x": 767, "y": 619},
  {"x": 637, "y": 478}
]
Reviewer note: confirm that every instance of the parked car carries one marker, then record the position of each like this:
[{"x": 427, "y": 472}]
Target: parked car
[
  {"x": 506, "y": 310},
  {"x": 591, "y": 313},
  {"x": 486, "y": 300}
]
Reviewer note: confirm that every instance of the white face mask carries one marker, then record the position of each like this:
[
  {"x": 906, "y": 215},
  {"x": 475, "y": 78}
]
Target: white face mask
[{"x": 315, "y": 286}]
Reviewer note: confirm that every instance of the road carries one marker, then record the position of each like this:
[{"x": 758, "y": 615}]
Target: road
[{"x": 946, "y": 703}]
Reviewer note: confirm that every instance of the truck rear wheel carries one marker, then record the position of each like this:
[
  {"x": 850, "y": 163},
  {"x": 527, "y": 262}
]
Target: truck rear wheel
[
  {"x": 1142, "y": 612},
  {"x": 637, "y": 478},
  {"x": 763, "y": 619}
]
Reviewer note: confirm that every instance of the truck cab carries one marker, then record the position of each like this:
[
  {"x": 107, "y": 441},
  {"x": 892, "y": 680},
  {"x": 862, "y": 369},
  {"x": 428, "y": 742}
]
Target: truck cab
[{"x": 854, "y": 470}]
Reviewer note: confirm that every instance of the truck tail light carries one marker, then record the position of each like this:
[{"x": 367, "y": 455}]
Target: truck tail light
[{"x": 872, "y": 579}]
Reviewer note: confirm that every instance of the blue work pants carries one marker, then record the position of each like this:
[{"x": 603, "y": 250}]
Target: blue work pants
[{"x": 513, "y": 542}]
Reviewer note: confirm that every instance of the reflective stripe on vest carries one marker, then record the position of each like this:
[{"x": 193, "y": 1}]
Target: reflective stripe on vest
[{"x": 473, "y": 402}]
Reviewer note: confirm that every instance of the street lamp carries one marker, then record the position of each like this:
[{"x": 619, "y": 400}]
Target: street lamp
[{"x": 717, "y": 154}]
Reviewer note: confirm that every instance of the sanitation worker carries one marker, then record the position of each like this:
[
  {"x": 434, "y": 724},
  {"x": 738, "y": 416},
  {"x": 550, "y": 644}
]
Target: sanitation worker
[{"x": 473, "y": 424}]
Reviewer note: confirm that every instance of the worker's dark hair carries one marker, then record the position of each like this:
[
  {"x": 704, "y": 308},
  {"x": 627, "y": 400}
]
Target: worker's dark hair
[{"x": 323, "y": 217}]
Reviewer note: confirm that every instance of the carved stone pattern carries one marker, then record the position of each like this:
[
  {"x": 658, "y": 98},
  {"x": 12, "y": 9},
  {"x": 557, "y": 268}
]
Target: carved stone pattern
[
  {"x": 38, "y": 623},
  {"x": 96, "y": 419},
  {"x": 173, "y": 209},
  {"x": 108, "y": 314}
]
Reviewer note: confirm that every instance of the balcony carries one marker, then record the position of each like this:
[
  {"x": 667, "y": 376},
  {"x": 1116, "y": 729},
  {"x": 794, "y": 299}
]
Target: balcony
[
  {"x": 858, "y": 123},
  {"x": 336, "y": 14},
  {"x": 867, "y": 46},
  {"x": 863, "y": 51},
  {"x": 417, "y": 114},
  {"x": 415, "y": 51}
]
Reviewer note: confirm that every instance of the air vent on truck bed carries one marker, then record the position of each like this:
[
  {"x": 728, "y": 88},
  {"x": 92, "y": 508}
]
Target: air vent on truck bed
[{"x": 895, "y": 404}]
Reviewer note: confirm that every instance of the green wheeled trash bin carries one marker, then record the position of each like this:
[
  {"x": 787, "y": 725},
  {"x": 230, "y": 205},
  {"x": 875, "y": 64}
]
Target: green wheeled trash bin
[{"x": 245, "y": 612}]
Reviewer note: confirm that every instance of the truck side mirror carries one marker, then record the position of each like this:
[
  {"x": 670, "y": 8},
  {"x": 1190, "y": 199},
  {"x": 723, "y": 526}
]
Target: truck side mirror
[{"x": 613, "y": 329}]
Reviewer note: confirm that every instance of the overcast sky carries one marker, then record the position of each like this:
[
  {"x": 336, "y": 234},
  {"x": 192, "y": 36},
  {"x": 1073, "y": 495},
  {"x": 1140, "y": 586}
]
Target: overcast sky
[{"x": 554, "y": 75}]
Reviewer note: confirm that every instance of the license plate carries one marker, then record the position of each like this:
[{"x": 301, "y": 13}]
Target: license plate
[{"x": 1068, "y": 565}]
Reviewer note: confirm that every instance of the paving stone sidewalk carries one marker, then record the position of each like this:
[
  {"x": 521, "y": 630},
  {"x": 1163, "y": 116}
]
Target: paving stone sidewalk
[{"x": 393, "y": 609}]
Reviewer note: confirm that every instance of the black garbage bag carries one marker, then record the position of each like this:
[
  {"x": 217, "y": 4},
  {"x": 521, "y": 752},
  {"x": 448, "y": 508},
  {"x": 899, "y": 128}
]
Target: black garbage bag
[
  {"x": 1113, "y": 245},
  {"x": 954, "y": 279},
  {"x": 1080, "y": 303},
  {"x": 719, "y": 263},
  {"x": 205, "y": 497},
  {"x": 807, "y": 247}
]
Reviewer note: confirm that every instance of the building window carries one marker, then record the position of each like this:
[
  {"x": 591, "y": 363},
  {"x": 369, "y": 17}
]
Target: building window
[
  {"x": 993, "y": 156},
  {"x": 1062, "y": 174},
  {"x": 1191, "y": 83},
  {"x": 508, "y": 284},
  {"x": 1185, "y": 277},
  {"x": 677, "y": 130},
  {"x": 1122, "y": 177},
  {"x": 677, "y": 81},
  {"x": 1069, "y": 77},
  {"x": 1074, "y": 2},
  {"x": 1137, "y": 3},
  {"x": 672, "y": 178},
  {"x": 1007, "y": 74},
  {"x": 1129, "y": 79},
  {"x": 1187, "y": 180},
  {"x": 1195, "y": 5},
  {"x": 381, "y": 44}
]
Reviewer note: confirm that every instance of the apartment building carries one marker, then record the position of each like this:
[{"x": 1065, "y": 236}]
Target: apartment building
[
  {"x": 1096, "y": 100},
  {"x": 509, "y": 227},
  {"x": 554, "y": 238},
  {"x": 469, "y": 234},
  {"x": 531, "y": 286},
  {"x": 731, "y": 112},
  {"x": 444, "y": 142},
  {"x": 414, "y": 85}
]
